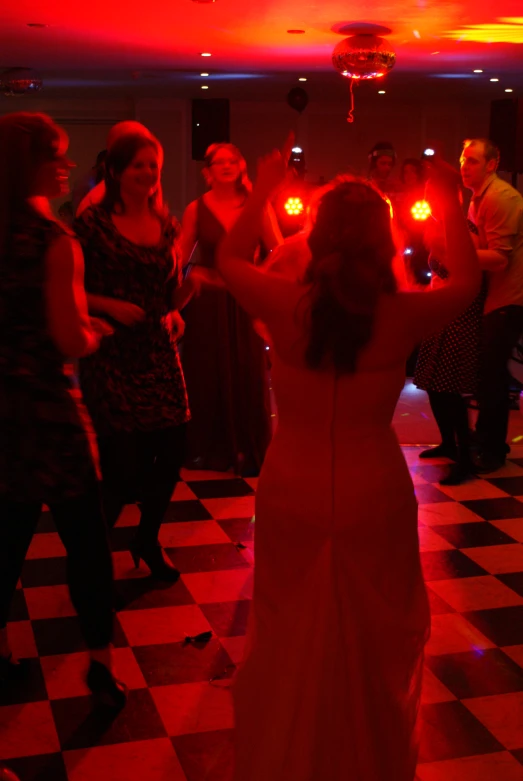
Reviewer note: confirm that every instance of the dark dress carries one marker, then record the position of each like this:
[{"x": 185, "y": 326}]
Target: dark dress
[
  {"x": 225, "y": 369},
  {"x": 448, "y": 362},
  {"x": 135, "y": 381},
  {"x": 47, "y": 452}
]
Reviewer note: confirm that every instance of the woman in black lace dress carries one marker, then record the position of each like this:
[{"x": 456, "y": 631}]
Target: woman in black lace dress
[
  {"x": 133, "y": 386},
  {"x": 47, "y": 455}
]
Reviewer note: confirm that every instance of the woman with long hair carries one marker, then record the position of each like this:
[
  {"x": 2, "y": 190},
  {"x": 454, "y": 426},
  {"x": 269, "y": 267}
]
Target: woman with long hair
[
  {"x": 330, "y": 687},
  {"x": 223, "y": 357},
  {"x": 134, "y": 386},
  {"x": 46, "y": 453}
]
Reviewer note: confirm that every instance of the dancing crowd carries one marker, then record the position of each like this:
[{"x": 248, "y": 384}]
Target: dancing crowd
[{"x": 99, "y": 408}]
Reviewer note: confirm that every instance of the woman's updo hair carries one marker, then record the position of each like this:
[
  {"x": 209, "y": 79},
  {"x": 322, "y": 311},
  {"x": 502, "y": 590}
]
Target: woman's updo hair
[{"x": 352, "y": 252}]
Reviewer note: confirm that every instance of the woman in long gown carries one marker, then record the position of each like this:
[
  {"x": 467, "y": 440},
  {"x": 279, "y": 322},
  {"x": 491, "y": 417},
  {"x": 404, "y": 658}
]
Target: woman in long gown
[
  {"x": 223, "y": 357},
  {"x": 330, "y": 687}
]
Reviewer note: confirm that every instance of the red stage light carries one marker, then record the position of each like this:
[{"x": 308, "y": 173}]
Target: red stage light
[
  {"x": 421, "y": 210},
  {"x": 294, "y": 207}
]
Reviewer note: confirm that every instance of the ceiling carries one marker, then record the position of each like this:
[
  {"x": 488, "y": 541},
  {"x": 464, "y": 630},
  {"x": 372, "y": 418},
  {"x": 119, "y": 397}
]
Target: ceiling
[{"x": 110, "y": 44}]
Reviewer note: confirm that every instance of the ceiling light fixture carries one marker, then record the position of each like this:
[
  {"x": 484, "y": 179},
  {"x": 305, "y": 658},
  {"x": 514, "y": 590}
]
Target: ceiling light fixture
[
  {"x": 478, "y": 70},
  {"x": 302, "y": 78},
  {"x": 416, "y": 34},
  {"x": 296, "y": 32},
  {"x": 204, "y": 74},
  {"x": 509, "y": 90},
  {"x": 381, "y": 92},
  {"x": 204, "y": 86},
  {"x": 494, "y": 79},
  {"x": 206, "y": 54},
  {"x": 37, "y": 25}
]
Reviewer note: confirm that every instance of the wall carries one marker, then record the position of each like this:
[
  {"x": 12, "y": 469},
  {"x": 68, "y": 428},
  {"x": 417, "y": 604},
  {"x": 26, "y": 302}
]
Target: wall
[{"x": 331, "y": 145}]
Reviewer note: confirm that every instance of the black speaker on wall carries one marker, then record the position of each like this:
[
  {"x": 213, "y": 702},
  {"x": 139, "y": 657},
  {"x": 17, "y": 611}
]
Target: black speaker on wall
[
  {"x": 210, "y": 125},
  {"x": 506, "y": 130}
]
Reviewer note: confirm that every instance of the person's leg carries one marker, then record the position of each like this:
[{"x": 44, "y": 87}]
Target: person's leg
[
  {"x": 444, "y": 420},
  {"x": 160, "y": 480},
  {"x": 463, "y": 468},
  {"x": 18, "y": 522},
  {"x": 82, "y": 529},
  {"x": 118, "y": 464},
  {"x": 161, "y": 455},
  {"x": 501, "y": 330}
]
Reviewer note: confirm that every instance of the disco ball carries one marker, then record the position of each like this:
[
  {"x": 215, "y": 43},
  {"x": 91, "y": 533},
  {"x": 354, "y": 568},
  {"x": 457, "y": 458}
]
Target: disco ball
[
  {"x": 363, "y": 57},
  {"x": 19, "y": 81}
]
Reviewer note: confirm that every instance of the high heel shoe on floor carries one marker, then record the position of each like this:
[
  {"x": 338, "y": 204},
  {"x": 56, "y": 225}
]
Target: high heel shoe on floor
[
  {"x": 156, "y": 559},
  {"x": 104, "y": 686}
]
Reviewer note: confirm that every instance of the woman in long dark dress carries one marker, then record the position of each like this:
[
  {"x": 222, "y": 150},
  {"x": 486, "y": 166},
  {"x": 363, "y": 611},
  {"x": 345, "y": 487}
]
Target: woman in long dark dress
[
  {"x": 224, "y": 358},
  {"x": 46, "y": 453},
  {"x": 134, "y": 387}
]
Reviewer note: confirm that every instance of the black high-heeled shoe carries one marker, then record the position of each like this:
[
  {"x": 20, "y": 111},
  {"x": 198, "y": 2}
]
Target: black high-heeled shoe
[
  {"x": 107, "y": 690},
  {"x": 156, "y": 559}
]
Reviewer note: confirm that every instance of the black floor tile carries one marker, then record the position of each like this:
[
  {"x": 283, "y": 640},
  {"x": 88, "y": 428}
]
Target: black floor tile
[
  {"x": 29, "y": 689},
  {"x": 44, "y": 572},
  {"x": 473, "y": 535},
  {"x": 207, "y": 558},
  {"x": 511, "y": 485},
  {"x": 80, "y": 725},
  {"x": 513, "y": 580},
  {"x": 238, "y": 529},
  {"x": 173, "y": 663},
  {"x": 496, "y": 509},
  {"x": 220, "y": 489},
  {"x": 518, "y": 754},
  {"x": 449, "y": 564},
  {"x": 63, "y": 636},
  {"x": 228, "y": 619},
  {"x": 428, "y": 494},
  {"x": 206, "y": 755},
  {"x": 190, "y": 510},
  {"x": 450, "y": 731},
  {"x": 46, "y": 767},
  {"x": 479, "y": 673},
  {"x": 502, "y": 625}
]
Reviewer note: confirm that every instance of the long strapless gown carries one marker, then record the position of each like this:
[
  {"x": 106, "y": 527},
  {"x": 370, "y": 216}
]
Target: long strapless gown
[{"x": 330, "y": 686}]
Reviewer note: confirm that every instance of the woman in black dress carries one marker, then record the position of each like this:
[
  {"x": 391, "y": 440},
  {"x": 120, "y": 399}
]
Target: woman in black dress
[
  {"x": 224, "y": 358},
  {"x": 447, "y": 368},
  {"x": 46, "y": 453},
  {"x": 133, "y": 386}
]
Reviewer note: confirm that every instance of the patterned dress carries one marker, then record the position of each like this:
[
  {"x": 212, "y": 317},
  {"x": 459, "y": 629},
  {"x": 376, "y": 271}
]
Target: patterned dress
[
  {"x": 135, "y": 381},
  {"x": 448, "y": 362},
  {"x": 46, "y": 451}
]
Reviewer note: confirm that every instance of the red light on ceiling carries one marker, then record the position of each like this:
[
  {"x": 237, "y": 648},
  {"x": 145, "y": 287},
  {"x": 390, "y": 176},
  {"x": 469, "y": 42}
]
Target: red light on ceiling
[
  {"x": 293, "y": 207},
  {"x": 421, "y": 210},
  {"x": 296, "y": 32}
]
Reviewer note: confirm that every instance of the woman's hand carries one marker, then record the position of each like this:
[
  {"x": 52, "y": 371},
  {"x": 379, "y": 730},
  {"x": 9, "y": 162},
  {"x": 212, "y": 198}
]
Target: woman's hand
[
  {"x": 273, "y": 169},
  {"x": 444, "y": 182},
  {"x": 124, "y": 312},
  {"x": 101, "y": 327},
  {"x": 175, "y": 324},
  {"x": 204, "y": 277}
]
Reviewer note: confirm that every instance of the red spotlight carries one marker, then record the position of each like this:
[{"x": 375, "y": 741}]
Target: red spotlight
[
  {"x": 294, "y": 206},
  {"x": 421, "y": 210}
]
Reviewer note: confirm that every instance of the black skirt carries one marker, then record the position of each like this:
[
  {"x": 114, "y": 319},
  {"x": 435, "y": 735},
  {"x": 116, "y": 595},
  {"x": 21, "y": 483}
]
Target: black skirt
[{"x": 448, "y": 362}]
